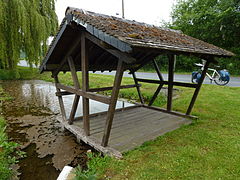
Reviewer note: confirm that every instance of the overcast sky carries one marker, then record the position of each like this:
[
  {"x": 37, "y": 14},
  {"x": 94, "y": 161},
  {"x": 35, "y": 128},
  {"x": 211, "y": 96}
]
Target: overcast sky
[{"x": 148, "y": 11}]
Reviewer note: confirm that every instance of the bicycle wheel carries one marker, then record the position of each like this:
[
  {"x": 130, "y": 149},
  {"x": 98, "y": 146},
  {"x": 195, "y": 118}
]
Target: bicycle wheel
[{"x": 219, "y": 81}]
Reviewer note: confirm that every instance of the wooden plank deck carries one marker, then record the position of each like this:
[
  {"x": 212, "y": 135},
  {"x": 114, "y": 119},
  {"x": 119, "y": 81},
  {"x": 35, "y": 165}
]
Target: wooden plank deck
[{"x": 131, "y": 128}]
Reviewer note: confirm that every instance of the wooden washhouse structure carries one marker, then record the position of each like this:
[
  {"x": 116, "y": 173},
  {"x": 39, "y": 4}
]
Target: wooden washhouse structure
[{"x": 88, "y": 41}]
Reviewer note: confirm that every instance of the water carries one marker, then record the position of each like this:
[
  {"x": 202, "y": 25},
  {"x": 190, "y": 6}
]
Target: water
[{"x": 32, "y": 122}]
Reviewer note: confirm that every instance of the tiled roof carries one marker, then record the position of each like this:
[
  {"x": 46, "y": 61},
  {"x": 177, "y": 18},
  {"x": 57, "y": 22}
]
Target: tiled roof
[{"x": 137, "y": 34}]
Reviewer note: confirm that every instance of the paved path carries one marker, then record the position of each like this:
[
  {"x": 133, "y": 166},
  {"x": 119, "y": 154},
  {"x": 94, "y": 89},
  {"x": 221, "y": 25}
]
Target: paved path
[{"x": 234, "y": 81}]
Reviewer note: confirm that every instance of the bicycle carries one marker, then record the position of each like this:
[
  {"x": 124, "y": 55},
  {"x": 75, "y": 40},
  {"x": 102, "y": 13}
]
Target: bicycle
[{"x": 221, "y": 77}]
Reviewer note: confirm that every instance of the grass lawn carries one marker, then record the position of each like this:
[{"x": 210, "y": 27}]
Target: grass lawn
[{"x": 207, "y": 149}]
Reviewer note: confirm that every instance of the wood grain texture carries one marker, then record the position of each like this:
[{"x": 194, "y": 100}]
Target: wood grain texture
[
  {"x": 134, "y": 126},
  {"x": 112, "y": 105},
  {"x": 85, "y": 83},
  {"x": 77, "y": 86},
  {"x": 60, "y": 99}
]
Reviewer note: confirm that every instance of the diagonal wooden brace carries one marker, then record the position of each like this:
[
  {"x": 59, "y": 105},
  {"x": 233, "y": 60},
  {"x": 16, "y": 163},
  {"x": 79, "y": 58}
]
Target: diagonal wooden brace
[
  {"x": 112, "y": 105},
  {"x": 77, "y": 86},
  {"x": 160, "y": 86}
]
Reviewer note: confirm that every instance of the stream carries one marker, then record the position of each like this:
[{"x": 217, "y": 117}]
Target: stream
[{"x": 32, "y": 122}]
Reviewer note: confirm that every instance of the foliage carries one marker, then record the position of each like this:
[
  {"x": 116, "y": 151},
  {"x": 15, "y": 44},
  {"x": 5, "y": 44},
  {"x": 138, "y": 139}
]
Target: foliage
[
  {"x": 93, "y": 162},
  {"x": 213, "y": 21},
  {"x": 183, "y": 64},
  {"x": 9, "y": 74},
  {"x": 20, "y": 73},
  {"x": 25, "y": 27},
  {"x": 9, "y": 152}
]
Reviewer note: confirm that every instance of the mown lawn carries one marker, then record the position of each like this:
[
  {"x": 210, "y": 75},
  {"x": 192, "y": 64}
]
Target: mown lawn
[{"x": 209, "y": 148}]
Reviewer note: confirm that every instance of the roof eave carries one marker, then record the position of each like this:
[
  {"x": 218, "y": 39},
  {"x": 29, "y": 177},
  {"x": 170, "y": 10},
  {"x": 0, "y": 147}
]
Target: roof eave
[{"x": 54, "y": 43}]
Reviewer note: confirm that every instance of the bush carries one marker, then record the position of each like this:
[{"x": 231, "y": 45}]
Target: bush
[{"x": 9, "y": 74}]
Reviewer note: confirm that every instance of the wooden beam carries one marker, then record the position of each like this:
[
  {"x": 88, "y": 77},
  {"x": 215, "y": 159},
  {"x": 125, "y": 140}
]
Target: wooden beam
[
  {"x": 65, "y": 67},
  {"x": 43, "y": 67},
  {"x": 105, "y": 112},
  {"x": 64, "y": 93},
  {"x": 70, "y": 51},
  {"x": 170, "y": 112},
  {"x": 90, "y": 140},
  {"x": 146, "y": 59},
  {"x": 158, "y": 70},
  {"x": 198, "y": 88},
  {"x": 138, "y": 88},
  {"x": 85, "y": 83},
  {"x": 60, "y": 99},
  {"x": 120, "y": 55},
  {"x": 160, "y": 86},
  {"x": 170, "y": 81},
  {"x": 155, "y": 94},
  {"x": 110, "y": 88},
  {"x": 112, "y": 105},
  {"x": 89, "y": 95},
  {"x": 152, "y": 81},
  {"x": 77, "y": 86}
]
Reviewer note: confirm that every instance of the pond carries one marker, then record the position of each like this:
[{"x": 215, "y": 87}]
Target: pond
[{"x": 32, "y": 122}]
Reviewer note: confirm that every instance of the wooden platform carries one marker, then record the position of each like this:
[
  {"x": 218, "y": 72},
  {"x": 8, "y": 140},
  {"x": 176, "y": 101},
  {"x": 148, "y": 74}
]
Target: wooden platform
[{"x": 131, "y": 128}]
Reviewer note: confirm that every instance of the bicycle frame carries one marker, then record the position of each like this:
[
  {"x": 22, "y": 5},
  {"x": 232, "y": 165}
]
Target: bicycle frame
[{"x": 212, "y": 76}]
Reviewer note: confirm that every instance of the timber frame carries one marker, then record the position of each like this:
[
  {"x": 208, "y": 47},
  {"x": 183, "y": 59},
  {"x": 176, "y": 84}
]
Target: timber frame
[
  {"x": 86, "y": 44},
  {"x": 87, "y": 93}
]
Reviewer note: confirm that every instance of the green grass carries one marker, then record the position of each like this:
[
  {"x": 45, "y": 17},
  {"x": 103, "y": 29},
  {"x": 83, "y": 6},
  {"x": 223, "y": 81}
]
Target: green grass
[
  {"x": 209, "y": 148},
  {"x": 96, "y": 81},
  {"x": 8, "y": 150}
]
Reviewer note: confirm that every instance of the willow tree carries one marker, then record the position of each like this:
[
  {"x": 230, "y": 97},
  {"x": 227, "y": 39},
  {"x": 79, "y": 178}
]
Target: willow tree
[{"x": 25, "y": 26}]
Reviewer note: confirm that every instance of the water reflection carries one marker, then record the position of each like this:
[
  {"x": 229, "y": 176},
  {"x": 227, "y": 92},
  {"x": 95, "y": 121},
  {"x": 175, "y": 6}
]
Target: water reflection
[{"x": 32, "y": 121}]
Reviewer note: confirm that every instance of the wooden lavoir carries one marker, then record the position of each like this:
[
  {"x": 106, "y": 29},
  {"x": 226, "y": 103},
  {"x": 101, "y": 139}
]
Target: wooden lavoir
[{"x": 89, "y": 41}]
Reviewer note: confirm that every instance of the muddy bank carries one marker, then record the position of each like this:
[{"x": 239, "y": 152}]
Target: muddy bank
[{"x": 32, "y": 122}]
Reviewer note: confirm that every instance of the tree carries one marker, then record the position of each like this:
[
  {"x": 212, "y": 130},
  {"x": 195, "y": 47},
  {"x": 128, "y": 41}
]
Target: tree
[
  {"x": 213, "y": 21},
  {"x": 25, "y": 26}
]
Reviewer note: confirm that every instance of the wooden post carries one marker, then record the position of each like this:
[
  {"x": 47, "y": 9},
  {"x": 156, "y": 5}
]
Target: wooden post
[
  {"x": 170, "y": 81},
  {"x": 85, "y": 84},
  {"x": 77, "y": 86},
  {"x": 60, "y": 99},
  {"x": 197, "y": 88},
  {"x": 112, "y": 105},
  {"x": 138, "y": 88}
]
